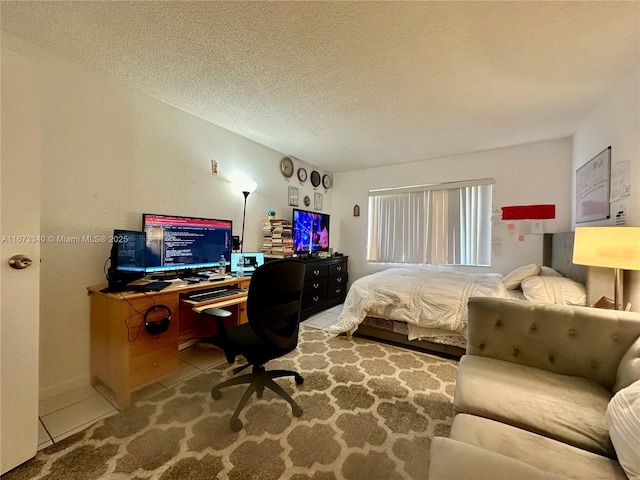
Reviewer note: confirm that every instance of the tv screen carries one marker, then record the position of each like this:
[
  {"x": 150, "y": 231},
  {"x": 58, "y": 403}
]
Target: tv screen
[
  {"x": 310, "y": 231},
  {"x": 175, "y": 243}
]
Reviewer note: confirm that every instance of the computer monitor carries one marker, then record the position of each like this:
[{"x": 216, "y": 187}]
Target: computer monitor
[
  {"x": 179, "y": 245},
  {"x": 128, "y": 259},
  {"x": 252, "y": 260}
]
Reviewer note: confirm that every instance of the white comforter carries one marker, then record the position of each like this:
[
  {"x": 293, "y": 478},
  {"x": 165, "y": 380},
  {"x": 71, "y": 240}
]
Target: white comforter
[{"x": 428, "y": 297}]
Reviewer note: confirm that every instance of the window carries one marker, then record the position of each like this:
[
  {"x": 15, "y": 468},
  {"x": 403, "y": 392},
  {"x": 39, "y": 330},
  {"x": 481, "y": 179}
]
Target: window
[{"x": 449, "y": 223}]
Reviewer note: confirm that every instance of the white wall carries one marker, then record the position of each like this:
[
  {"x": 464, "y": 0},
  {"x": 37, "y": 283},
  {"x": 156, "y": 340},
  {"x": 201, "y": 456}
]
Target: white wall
[
  {"x": 614, "y": 122},
  {"x": 109, "y": 154},
  {"x": 537, "y": 173}
]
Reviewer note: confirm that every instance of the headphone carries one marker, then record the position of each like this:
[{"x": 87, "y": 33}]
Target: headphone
[{"x": 155, "y": 327}]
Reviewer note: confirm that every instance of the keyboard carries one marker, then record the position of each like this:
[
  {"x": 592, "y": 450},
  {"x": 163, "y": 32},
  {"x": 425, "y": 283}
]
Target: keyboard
[{"x": 208, "y": 295}]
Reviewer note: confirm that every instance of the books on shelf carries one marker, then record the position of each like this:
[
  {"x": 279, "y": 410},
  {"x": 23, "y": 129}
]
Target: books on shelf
[{"x": 277, "y": 237}]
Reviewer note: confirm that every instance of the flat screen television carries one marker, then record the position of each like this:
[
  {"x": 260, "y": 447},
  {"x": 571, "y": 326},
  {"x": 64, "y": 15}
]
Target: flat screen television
[
  {"x": 128, "y": 258},
  {"x": 177, "y": 244},
  {"x": 310, "y": 231}
]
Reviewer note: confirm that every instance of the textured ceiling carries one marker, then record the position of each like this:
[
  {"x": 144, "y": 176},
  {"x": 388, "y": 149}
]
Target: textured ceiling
[{"x": 350, "y": 85}]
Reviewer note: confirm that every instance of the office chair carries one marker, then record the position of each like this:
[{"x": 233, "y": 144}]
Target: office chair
[{"x": 273, "y": 311}]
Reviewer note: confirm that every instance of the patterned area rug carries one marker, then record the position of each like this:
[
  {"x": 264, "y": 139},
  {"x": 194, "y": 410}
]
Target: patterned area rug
[{"x": 370, "y": 411}]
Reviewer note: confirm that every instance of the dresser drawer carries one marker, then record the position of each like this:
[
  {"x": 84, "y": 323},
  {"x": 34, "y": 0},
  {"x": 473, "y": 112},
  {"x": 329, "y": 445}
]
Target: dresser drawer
[
  {"x": 315, "y": 285},
  {"x": 338, "y": 279},
  {"x": 338, "y": 268},
  {"x": 146, "y": 343},
  {"x": 316, "y": 271},
  {"x": 336, "y": 291},
  {"x": 310, "y": 299}
]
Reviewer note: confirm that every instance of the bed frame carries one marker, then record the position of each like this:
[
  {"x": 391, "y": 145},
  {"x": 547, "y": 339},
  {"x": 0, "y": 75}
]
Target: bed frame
[{"x": 557, "y": 252}]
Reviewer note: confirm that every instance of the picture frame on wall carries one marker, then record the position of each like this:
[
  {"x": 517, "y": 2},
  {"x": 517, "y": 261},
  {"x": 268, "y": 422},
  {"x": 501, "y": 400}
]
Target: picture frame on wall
[
  {"x": 317, "y": 204},
  {"x": 593, "y": 181},
  {"x": 293, "y": 196}
]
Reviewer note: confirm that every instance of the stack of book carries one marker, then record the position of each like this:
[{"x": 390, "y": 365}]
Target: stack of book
[{"x": 277, "y": 238}]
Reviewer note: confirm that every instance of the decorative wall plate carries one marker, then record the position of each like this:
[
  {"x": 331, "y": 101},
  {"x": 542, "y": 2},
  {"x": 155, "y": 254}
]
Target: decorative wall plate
[
  {"x": 307, "y": 200},
  {"x": 327, "y": 181},
  {"x": 286, "y": 167},
  {"x": 302, "y": 174},
  {"x": 315, "y": 178}
]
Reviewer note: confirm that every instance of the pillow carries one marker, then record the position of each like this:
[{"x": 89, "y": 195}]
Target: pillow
[
  {"x": 512, "y": 280},
  {"x": 629, "y": 367},
  {"x": 549, "y": 272},
  {"x": 623, "y": 418},
  {"x": 557, "y": 290}
]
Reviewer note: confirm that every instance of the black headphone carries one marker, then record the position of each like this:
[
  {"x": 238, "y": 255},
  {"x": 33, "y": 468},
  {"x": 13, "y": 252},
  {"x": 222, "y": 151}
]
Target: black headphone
[{"x": 155, "y": 327}]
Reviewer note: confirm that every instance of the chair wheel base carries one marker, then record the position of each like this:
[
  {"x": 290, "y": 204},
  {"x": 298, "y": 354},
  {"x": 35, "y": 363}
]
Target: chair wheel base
[
  {"x": 297, "y": 411},
  {"x": 299, "y": 379},
  {"x": 235, "y": 424},
  {"x": 215, "y": 394}
]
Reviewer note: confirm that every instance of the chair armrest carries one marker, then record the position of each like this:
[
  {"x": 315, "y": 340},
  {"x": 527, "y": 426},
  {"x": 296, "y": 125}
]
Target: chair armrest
[{"x": 581, "y": 341}]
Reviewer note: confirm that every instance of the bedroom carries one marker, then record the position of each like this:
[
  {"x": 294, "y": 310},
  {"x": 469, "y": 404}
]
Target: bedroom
[{"x": 109, "y": 153}]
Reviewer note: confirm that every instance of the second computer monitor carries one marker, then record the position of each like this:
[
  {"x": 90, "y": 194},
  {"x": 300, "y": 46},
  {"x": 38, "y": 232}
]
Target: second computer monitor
[{"x": 252, "y": 260}]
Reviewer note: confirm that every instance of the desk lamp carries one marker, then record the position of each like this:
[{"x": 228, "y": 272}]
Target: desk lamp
[
  {"x": 611, "y": 247},
  {"x": 244, "y": 184}
]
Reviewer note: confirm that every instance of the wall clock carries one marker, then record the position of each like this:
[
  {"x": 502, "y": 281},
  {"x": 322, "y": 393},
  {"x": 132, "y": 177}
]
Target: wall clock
[
  {"x": 286, "y": 167},
  {"x": 307, "y": 200},
  {"x": 302, "y": 174},
  {"x": 315, "y": 178},
  {"x": 327, "y": 181}
]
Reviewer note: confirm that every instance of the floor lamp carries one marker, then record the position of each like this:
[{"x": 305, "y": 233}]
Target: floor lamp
[
  {"x": 610, "y": 247},
  {"x": 246, "y": 186}
]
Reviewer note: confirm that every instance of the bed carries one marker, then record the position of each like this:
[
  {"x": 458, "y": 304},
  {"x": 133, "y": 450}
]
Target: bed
[{"x": 424, "y": 307}]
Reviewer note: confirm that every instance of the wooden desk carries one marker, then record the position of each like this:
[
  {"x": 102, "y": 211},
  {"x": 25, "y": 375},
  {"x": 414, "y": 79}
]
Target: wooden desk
[{"x": 125, "y": 357}]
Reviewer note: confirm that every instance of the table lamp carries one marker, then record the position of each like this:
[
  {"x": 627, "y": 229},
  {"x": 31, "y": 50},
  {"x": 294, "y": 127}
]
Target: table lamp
[{"x": 610, "y": 247}]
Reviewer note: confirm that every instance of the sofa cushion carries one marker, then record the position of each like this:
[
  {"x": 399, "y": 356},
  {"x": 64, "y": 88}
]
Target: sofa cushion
[
  {"x": 623, "y": 416},
  {"x": 453, "y": 460},
  {"x": 629, "y": 367},
  {"x": 569, "y": 409},
  {"x": 536, "y": 450}
]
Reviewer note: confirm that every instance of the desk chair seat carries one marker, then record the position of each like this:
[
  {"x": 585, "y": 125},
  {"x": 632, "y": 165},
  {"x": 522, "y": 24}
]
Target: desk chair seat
[{"x": 273, "y": 311}]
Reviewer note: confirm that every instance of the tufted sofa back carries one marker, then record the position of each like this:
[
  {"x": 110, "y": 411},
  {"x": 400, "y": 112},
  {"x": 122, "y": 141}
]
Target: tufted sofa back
[{"x": 581, "y": 341}]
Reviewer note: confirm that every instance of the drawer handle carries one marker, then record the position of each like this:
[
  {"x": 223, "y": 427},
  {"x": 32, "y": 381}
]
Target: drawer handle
[
  {"x": 315, "y": 299},
  {"x": 339, "y": 269},
  {"x": 316, "y": 272},
  {"x": 339, "y": 279},
  {"x": 316, "y": 285}
]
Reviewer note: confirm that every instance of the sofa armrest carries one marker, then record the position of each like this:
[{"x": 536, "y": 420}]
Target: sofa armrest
[
  {"x": 455, "y": 460},
  {"x": 581, "y": 341}
]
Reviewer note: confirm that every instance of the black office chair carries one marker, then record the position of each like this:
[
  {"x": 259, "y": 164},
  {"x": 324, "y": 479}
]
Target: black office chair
[{"x": 273, "y": 311}]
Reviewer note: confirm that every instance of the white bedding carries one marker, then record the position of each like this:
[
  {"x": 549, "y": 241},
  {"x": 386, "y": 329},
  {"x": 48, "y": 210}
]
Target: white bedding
[{"x": 427, "y": 297}]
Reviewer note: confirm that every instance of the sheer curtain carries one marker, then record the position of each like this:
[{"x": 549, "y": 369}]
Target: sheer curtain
[{"x": 437, "y": 224}]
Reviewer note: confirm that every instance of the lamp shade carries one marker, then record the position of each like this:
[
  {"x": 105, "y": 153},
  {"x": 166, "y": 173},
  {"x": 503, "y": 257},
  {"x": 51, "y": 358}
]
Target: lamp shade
[{"x": 612, "y": 247}]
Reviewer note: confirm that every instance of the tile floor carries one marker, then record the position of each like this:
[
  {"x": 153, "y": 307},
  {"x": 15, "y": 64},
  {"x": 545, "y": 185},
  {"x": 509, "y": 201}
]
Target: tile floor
[{"x": 73, "y": 411}]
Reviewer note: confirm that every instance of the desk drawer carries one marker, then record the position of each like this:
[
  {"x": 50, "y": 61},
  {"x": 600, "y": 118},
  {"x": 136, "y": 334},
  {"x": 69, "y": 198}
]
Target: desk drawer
[
  {"x": 145, "y": 342},
  {"x": 316, "y": 271},
  {"x": 148, "y": 368}
]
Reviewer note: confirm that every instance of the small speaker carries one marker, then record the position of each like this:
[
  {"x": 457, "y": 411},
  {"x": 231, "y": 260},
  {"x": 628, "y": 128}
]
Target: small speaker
[
  {"x": 235, "y": 242},
  {"x": 156, "y": 327}
]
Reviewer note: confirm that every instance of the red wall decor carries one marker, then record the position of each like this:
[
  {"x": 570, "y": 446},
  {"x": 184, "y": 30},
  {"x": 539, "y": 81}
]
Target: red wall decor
[{"x": 529, "y": 212}]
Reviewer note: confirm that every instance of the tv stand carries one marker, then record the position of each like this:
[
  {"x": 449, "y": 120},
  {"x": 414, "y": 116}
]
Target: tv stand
[{"x": 325, "y": 284}]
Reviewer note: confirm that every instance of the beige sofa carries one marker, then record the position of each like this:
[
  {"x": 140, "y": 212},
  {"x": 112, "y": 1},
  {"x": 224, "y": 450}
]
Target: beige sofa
[{"x": 533, "y": 392}]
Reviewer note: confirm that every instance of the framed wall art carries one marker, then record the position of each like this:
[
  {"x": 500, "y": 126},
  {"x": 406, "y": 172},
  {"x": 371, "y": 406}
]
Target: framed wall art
[{"x": 592, "y": 188}]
